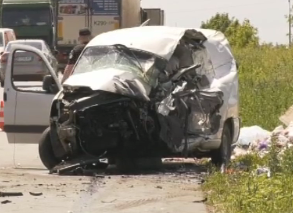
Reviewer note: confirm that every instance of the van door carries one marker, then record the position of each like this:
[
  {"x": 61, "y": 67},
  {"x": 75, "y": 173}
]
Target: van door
[{"x": 26, "y": 104}]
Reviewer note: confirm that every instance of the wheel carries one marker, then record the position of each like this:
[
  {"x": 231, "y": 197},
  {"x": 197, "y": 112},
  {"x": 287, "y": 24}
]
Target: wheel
[
  {"x": 46, "y": 151},
  {"x": 221, "y": 157},
  {"x": 2, "y": 83}
]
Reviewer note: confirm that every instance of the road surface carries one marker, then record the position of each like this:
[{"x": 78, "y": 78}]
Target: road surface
[{"x": 174, "y": 189}]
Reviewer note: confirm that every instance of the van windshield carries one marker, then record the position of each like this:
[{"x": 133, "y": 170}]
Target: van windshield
[{"x": 13, "y": 17}]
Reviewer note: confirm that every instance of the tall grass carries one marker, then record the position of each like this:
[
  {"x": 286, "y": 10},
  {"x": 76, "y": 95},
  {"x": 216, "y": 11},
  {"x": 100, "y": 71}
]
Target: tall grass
[{"x": 266, "y": 84}]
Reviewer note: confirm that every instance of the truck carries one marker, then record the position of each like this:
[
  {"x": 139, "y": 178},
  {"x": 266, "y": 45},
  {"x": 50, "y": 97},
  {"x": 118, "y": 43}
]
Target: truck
[
  {"x": 156, "y": 16},
  {"x": 30, "y": 19},
  {"x": 58, "y": 21}
]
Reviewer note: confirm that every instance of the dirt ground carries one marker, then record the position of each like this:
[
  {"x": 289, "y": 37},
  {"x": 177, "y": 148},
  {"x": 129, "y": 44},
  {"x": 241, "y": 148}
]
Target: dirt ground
[{"x": 174, "y": 189}]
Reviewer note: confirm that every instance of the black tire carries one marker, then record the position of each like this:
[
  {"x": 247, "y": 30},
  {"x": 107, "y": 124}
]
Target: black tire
[
  {"x": 2, "y": 83},
  {"x": 46, "y": 152},
  {"x": 221, "y": 157}
]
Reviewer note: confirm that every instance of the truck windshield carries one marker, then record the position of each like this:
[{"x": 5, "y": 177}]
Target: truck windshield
[{"x": 13, "y": 17}]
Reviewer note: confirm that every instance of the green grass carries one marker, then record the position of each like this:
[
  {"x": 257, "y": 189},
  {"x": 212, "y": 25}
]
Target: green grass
[
  {"x": 266, "y": 84},
  {"x": 266, "y": 91},
  {"x": 246, "y": 192}
]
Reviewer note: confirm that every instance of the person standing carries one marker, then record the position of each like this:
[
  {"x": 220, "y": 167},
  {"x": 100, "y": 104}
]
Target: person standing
[{"x": 84, "y": 38}]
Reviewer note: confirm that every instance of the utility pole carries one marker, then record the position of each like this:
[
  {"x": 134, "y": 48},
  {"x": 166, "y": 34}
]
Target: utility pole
[{"x": 290, "y": 23}]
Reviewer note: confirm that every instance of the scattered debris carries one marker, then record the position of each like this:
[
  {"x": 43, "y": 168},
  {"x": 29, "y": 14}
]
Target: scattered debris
[
  {"x": 257, "y": 140},
  {"x": 5, "y": 201},
  {"x": 10, "y": 194},
  {"x": 159, "y": 187},
  {"x": 266, "y": 171},
  {"x": 36, "y": 193},
  {"x": 201, "y": 201}
]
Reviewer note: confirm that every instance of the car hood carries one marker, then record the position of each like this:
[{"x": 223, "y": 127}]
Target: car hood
[{"x": 111, "y": 80}]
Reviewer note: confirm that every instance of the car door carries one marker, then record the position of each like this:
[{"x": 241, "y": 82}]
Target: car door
[{"x": 26, "y": 105}]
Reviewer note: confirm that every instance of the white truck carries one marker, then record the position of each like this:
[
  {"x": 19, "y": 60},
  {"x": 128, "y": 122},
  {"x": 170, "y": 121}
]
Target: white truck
[{"x": 98, "y": 15}]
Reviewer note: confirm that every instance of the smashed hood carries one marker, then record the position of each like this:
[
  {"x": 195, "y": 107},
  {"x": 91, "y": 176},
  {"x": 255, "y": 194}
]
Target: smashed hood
[{"x": 111, "y": 80}]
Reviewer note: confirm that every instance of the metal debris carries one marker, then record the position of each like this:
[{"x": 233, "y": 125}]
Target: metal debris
[{"x": 10, "y": 194}]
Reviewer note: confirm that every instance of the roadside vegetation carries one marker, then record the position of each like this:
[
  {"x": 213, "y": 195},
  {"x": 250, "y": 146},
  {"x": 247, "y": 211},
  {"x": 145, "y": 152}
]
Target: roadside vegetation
[{"x": 266, "y": 91}]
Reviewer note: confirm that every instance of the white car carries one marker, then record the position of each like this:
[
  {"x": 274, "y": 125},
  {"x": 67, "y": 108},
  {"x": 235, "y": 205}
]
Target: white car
[{"x": 144, "y": 92}]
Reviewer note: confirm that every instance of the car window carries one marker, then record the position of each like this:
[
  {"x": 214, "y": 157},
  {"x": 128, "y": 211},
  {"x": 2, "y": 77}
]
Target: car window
[{"x": 37, "y": 45}]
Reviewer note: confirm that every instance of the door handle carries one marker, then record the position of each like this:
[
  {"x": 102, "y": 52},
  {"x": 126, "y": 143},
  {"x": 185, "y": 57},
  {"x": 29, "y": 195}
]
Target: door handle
[{"x": 4, "y": 96}]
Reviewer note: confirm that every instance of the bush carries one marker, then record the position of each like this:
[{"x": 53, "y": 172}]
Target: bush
[{"x": 266, "y": 88}]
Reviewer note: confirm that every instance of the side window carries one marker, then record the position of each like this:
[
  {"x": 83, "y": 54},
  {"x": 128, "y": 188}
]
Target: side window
[{"x": 30, "y": 73}]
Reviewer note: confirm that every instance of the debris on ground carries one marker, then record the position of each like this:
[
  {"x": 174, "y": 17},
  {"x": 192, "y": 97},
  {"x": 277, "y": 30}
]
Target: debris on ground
[
  {"x": 5, "y": 201},
  {"x": 254, "y": 139},
  {"x": 10, "y": 194},
  {"x": 36, "y": 193}
]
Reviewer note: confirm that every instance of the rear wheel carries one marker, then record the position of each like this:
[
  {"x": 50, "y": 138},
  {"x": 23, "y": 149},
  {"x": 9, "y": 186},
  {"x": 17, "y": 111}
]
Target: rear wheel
[
  {"x": 221, "y": 157},
  {"x": 46, "y": 153}
]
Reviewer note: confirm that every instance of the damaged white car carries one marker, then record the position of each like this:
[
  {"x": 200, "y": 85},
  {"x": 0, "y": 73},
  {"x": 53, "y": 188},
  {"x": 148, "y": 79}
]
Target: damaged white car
[{"x": 146, "y": 92}]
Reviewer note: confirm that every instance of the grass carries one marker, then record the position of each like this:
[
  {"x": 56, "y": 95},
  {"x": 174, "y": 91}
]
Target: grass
[
  {"x": 266, "y": 91},
  {"x": 266, "y": 84}
]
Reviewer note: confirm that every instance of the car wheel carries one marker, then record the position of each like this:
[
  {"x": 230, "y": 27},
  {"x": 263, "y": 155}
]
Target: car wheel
[
  {"x": 2, "y": 83},
  {"x": 46, "y": 153},
  {"x": 221, "y": 157}
]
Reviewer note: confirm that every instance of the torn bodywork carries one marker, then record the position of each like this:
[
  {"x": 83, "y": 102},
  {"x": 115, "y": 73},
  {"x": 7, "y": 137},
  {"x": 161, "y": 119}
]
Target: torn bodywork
[{"x": 126, "y": 101}]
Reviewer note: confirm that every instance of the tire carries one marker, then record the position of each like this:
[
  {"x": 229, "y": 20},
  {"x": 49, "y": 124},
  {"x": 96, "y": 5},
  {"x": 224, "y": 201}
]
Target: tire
[
  {"x": 221, "y": 157},
  {"x": 2, "y": 83},
  {"x": 46, "y": 152}
]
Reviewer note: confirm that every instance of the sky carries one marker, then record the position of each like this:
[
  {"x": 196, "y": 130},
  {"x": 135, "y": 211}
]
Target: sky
[{"x": 267, "y": 15}]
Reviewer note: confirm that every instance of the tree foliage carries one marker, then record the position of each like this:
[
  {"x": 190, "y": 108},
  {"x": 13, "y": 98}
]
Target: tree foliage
[{"x": 239, "y": 34}]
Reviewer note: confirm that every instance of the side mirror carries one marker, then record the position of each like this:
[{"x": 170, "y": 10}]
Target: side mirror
[
  {"x": 184, "y": 71},
  {"x": 237, "y": 65},
  {"x": 49, "y": 84}
]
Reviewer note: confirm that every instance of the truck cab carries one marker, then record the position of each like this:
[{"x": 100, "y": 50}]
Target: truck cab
[
  {"x": 27, "y": 105},
  {"x": 30, "y": 19}
]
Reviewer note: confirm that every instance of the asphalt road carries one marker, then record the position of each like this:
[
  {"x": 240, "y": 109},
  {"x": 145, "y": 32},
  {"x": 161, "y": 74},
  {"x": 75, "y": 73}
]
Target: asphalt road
[{"x": 174, "y": 189}]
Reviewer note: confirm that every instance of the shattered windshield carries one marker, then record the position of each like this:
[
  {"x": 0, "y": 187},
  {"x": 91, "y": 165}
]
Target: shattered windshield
[{"x": 101, "y": 57}]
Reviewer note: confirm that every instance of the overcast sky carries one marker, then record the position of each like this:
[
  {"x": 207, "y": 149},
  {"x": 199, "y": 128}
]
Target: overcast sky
[{"x": 267, "y": 15}]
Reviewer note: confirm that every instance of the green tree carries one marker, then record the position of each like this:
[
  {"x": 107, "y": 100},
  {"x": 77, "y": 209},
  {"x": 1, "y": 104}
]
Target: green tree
[{"x": 239, "y": 34}]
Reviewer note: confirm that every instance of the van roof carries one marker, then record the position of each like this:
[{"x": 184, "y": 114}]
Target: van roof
[{"x": 25, "y": 1}]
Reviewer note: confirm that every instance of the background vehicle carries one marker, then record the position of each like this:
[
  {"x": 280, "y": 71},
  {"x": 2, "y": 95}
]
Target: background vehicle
[
  {"x": 118, "y": 106},
  {"x": 57, "y": 21},
  {"x": 30, "y": 19},
  {"x": 28, "y": 67}
]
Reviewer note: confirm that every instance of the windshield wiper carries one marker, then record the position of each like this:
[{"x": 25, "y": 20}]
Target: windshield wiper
[{"x": 121, "y": 46}]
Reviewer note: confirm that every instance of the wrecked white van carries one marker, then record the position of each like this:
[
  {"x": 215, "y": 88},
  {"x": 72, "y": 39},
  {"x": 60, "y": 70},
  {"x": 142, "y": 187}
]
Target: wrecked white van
[{"x": 145, "y": 92}]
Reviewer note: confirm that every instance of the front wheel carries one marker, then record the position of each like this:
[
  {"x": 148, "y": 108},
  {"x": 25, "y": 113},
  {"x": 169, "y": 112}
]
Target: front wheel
[
  {"x": 221, "y": 156},
  {"x": 46, "y": 153}
]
